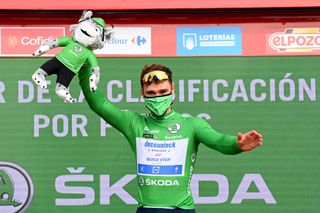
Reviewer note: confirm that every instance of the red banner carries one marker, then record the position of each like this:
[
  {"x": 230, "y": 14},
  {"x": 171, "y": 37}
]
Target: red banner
[{"x": 152, "y": 5}]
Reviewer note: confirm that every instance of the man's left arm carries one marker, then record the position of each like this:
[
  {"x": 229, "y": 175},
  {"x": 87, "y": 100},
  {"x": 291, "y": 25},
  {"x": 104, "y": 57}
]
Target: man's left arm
[{"x": 224, "y": 143}]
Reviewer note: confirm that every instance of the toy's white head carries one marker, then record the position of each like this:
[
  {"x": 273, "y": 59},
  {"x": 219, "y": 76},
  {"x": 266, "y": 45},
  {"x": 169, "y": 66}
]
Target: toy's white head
[{"x": 91, "y": 32}]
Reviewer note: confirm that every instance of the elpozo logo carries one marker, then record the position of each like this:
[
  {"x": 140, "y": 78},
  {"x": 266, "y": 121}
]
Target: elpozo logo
[
  {"x": 296, "y": 40},
  {"x": 16, "y": 188}
]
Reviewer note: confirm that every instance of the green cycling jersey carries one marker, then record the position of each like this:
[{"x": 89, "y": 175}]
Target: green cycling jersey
[
  {"x": 74, "y": 54},
  {"x": 165, "y": 148}
]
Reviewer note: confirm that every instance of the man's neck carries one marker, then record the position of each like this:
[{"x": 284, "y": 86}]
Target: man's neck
[{"x": 168, "y": 111}]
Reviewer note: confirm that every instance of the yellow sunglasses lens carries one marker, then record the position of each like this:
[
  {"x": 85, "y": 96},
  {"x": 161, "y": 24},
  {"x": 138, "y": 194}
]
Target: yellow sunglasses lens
[{"x": 160, "y": 75}]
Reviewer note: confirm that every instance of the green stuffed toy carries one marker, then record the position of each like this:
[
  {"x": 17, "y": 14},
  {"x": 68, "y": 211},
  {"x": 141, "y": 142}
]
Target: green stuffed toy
[{"x": 88, "y": 35}]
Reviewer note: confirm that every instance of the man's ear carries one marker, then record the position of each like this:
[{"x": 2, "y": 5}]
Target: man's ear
[{"x": 172, "y": 87}]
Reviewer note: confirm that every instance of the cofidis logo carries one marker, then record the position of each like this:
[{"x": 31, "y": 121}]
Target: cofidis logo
[
  {"x": 23, "y": 41},
  {"x": 16, "y": 188},
  {"x": 225, "y": 40},
  {"x": 295, "y": 40}
]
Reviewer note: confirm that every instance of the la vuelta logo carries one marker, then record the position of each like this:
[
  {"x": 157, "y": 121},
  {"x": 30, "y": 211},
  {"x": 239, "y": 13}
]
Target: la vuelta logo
[{"x": 296, "y": 40}]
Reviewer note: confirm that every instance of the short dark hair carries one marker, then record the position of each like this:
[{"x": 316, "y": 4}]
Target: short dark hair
[{"x": 152, "y": 67}]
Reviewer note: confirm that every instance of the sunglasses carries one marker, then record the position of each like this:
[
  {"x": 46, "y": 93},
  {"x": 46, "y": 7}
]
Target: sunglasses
[{"x": 154, "y": 75}]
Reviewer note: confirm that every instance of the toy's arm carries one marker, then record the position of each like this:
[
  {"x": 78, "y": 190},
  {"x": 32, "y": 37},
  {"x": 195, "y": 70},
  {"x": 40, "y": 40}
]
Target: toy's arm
[
  {"x": 94, "y": 78},
  {"x": 95, "y": 72},
  {"x": 45, "y": 47}
]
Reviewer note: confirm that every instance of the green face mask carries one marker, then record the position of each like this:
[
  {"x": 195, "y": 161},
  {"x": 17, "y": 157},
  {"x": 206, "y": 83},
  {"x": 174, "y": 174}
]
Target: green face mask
[{"x": 159, "y": 105}]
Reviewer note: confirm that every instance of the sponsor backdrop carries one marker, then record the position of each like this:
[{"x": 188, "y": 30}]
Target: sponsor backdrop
[
  {"x": 179, "y": 40},
  {"x": 58, "y": 157}
]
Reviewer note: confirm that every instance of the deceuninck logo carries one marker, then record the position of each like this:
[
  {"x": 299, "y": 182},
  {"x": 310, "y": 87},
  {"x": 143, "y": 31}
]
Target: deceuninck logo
[
  {"x": 16, "y": 188},
  {"x": 295, "y": 40}
]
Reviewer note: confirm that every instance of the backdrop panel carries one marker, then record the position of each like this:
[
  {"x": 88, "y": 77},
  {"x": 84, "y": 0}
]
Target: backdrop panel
[{"x": 77, "y": 163}]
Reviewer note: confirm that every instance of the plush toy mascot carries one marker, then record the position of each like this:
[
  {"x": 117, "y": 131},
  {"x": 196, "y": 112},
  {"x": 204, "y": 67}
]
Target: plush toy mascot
[{"x": 89, "y": 34}]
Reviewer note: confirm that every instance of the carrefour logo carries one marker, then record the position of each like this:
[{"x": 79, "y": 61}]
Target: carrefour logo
[
  {"x": 296, "y": 40},
  {"x": 136, "y": 40},
  {"x": 139, "y": 40},
  {"x": 128, "y": 41},
  {"x": 16, "y": 188}
]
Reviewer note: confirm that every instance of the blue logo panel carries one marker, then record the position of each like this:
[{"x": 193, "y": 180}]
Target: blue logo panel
[
  {"x": 209, "y": 40},
  {"x": 159, "y": 170}
]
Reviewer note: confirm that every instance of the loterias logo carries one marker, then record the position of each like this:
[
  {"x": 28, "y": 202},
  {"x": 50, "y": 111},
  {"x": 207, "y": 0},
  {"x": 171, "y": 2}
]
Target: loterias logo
[
  {"x": 209, "y": 40},
  {"x": 16, "y": 188},
  {"x": 23, "y": 41},
  {"x": 296, "y": 40}
]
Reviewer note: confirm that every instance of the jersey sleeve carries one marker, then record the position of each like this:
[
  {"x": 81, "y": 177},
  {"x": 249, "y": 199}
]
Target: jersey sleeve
[
  {"x": 64, "y": 41},
  {"x": 119, "y": 119},
  {"x": 206, "y": 135},
  {"x": 92, "y": 60}
]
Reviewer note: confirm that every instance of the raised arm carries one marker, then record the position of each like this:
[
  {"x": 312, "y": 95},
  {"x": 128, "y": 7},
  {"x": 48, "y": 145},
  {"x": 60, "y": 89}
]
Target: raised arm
[{"x": 100, "y": 105}]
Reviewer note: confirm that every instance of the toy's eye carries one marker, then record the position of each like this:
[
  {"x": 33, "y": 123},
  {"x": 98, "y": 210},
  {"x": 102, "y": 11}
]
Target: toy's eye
[{"x": 98, "y": 30}]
